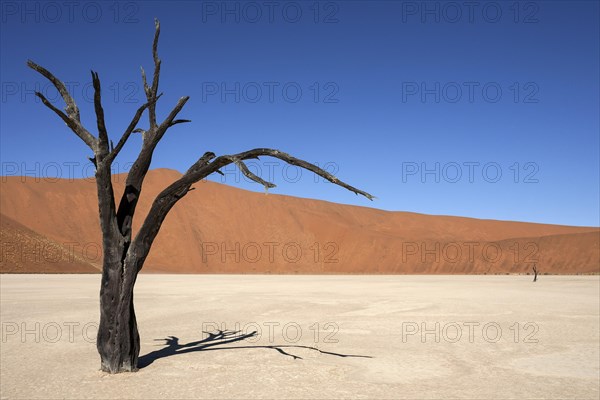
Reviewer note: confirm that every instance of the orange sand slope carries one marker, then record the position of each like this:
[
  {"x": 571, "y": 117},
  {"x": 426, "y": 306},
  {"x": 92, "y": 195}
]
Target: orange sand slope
[
  {"x": 51, "y": 225},
  {"x": 24, "y": 251}
]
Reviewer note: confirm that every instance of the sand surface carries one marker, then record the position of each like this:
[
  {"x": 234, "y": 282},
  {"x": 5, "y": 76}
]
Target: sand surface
[{"x": 519, "y": 340}]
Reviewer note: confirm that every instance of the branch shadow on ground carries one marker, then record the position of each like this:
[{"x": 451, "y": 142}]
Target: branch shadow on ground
[{"x": 221, "y": 338}]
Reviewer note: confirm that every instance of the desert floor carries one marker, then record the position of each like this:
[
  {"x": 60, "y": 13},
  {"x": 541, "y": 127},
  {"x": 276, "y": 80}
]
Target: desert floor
[{"x": 422, "y": 337}]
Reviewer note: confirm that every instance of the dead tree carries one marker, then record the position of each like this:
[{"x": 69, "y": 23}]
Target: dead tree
[
  {"x": 124, "y": 254},
  {"x": 535, "y": 272}
]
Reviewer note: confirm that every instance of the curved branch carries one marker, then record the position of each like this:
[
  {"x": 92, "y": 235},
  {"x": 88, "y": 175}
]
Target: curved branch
[
  {"x": 221, "y": 161},
  {"x": 201, "y": 169},
  {"x": 179, "y": 121},
  {"x": 202, "y": 162},
  {"x": 247, "y": 173}
]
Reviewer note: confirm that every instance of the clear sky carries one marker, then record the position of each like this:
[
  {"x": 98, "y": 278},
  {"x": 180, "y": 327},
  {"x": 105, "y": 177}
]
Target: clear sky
[{"x": 479, "y": 109}]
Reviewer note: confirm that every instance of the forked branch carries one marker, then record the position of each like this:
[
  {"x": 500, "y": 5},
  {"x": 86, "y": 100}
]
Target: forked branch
[
  {"x": 71, "y": 108},
  {"x": 130, "y": 129},
  {"x": 151, "y": 137},
  {"x": 71, "y": 118}
]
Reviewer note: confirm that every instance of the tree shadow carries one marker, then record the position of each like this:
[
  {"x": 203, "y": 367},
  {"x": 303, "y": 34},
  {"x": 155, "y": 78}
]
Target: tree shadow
[{"x": 220, "y": 338}]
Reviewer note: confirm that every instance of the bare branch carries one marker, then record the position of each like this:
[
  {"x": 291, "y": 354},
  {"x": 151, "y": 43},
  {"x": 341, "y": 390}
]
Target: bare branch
[
  {"x": 151, "y": 91},
  {"x": 152, "y": 136},
  {"x": 247, "y": 173},
  {"x": 169, "y": 121},
  {"x": 130, "y": 129},
  {"x": 61, "y": 114},
  {"x": 200, "y": 170},
  {"x": 140, "y": 167},
  {"x": 145, "y": 83},
  {"x": 102, "y": 133},
  {"x": 255, "y": 153},
  {"x": 179, "y": 121},
  {"x": 99, "y": 146},
  {"x": 71, "y": 107},
  {"x": 202, "y": 162},
  {"x": 155, "y": 57},
  {"x": 71, "y": 117}
]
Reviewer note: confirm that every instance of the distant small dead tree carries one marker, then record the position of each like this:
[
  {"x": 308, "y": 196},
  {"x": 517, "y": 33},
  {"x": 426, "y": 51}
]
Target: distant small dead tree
[
  {"x": 535, "y": 272},
  {"x": 118, "y": 340}
]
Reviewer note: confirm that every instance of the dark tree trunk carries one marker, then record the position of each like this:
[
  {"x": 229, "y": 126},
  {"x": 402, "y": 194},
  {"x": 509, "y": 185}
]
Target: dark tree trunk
[
  {"x": 118, "y": 339},
  {"x": 535, "y": 273}
]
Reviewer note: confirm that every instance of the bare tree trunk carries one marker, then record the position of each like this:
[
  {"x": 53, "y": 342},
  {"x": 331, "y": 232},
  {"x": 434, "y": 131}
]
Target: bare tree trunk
[
  {"x": 535, "y": 273},
  {"x": 118, "y": 339}
]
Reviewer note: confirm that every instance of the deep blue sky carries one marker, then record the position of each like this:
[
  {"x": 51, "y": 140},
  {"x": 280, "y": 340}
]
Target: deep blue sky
[{"x": 379, "y": 99}]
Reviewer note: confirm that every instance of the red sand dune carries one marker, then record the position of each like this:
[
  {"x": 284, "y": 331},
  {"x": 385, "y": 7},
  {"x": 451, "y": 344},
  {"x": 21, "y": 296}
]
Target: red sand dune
[
  {"x": 222, "y": 229},
  {"x": 24, "y": 251}
]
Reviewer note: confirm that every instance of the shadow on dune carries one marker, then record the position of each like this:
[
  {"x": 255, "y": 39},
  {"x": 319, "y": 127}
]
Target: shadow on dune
[{"x": 221, "y": 338}]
